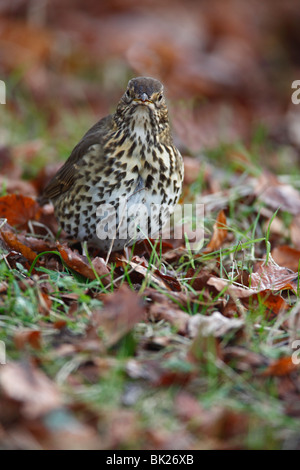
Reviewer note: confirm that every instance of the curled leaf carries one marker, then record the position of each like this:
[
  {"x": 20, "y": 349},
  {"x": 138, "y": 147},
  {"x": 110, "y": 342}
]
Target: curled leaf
[{"x": 219, "y": 234}]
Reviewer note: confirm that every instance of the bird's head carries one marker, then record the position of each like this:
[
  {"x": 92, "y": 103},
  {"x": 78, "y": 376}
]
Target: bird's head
[{"x": 144, "y": 95}]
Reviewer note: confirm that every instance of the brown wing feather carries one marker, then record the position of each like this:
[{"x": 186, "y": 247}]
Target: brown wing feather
[{"x": 66, "y": 175}]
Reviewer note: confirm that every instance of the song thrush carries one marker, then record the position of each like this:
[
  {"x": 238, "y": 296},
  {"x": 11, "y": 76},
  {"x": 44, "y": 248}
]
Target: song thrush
[{"x": 126, "y": 159}]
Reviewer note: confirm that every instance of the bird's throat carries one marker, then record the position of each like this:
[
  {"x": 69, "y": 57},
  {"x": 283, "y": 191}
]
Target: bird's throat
[{"x": 142, "y": 129}]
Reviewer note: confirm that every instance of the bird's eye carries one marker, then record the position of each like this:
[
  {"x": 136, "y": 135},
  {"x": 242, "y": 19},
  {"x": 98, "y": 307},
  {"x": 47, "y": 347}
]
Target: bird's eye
[
  {"x": 127, "y": 94},
  {"x": 159, "y": 98}
]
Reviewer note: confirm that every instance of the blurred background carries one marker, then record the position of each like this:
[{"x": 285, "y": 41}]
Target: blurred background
[{"x": 227, "y": 68}]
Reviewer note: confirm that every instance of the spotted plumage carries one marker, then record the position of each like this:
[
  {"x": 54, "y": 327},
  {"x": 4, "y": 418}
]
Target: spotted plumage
[{"x": 124, "y": 177}]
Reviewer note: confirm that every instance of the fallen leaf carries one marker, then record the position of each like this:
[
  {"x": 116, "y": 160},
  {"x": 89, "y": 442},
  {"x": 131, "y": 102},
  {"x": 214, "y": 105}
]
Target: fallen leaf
[
  {"x": 281, "y": 367},
  {"x": 15, "y": 244},
  {"x": 242, "y": 359},
  {"x": 215, "y": 325},
  {"x": 31, "y": 337},
  {"x": 273, "y": 277},
  {"x": 81, "y": 265},
  {"x": 59, "y": 324},
  {"x": 37, "y": 244},
  {"x": 45, "y": 303},
  {"x": 188, "y": 408},
  {"x": 121, "y": 311},
  {"x": 207, "y": 332},
  {"x": 219, "y": 234},
  {"x": 144, "y": 247},
  {"x": 231, "y": 289},
  {"x": 169, "y": 377},
  {"x": 31, "y": 387},
  {"x": 276, "y": 195},
  {"x": 119, "y": 428},
  {"x": 286, "y": 256},
  {"x": 19, "y": 210},
  {"x": 295, "y": 231},
  {"x": 171, "y": 314},
  {"x": 218, "y": 421},
  {"x": 273, "y": 302},
  {"x": 198, "y": 279},
  {"x": 101, "y": 269},
  {"x": 141, "y": 266}
]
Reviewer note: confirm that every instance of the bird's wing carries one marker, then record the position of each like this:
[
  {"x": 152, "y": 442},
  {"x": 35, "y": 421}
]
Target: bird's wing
[{"x": 66, "y": 175}]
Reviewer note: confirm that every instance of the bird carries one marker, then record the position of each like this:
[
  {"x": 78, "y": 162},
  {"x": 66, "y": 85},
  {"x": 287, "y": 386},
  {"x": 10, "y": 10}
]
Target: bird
[{"x": 123, "y": 179}]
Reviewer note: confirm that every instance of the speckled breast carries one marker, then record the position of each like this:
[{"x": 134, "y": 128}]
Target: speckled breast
[{"x": 126, "y": 196}]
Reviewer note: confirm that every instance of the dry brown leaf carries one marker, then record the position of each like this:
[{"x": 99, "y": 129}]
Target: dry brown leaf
[
  {"x": 198, "y": 278},
  {"x": 45, "y": 303},
  {"x": 121, "y": 311},
  {"x": 281, "y": 367},
  {"x": 59, "y": 324},
  {"x": 119, "y": 428},
  {"x": 37, "y": 244},
  {"x": 101, "y": 269},
  {"x": 169, "y": 313},
  {"x": 286, "y": 256},
  {"x": 275, "y": 303},
  {"x": 15, "y": 244},
  {"x": 169, "y": 377},
  {"x": 215, "y": 325},
  {"x": 145, "y": 247},
  {"x": 295, "y": 231},
  {"x": 207, "y": 332},
  {"x": 188, "y": 407},
  {"x": 219, "y": 234},
  {"x": 238, "y": 291},
  {"x": 19, "y": 210},
  {"x": 273, "y": 277},
  {"x": 217, "y": 421},
  {"x": 243, "y": 359},
  {"x": 24, "y": 383},
  {"x": 31, "y": 337},
  {"x": 140, "y": 266},
  {"x": 276, "y": 195},
  {"x": 81, "y": 265}
]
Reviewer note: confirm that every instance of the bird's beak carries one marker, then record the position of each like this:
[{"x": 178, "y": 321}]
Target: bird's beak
[{"x": 143, "y": 99}]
